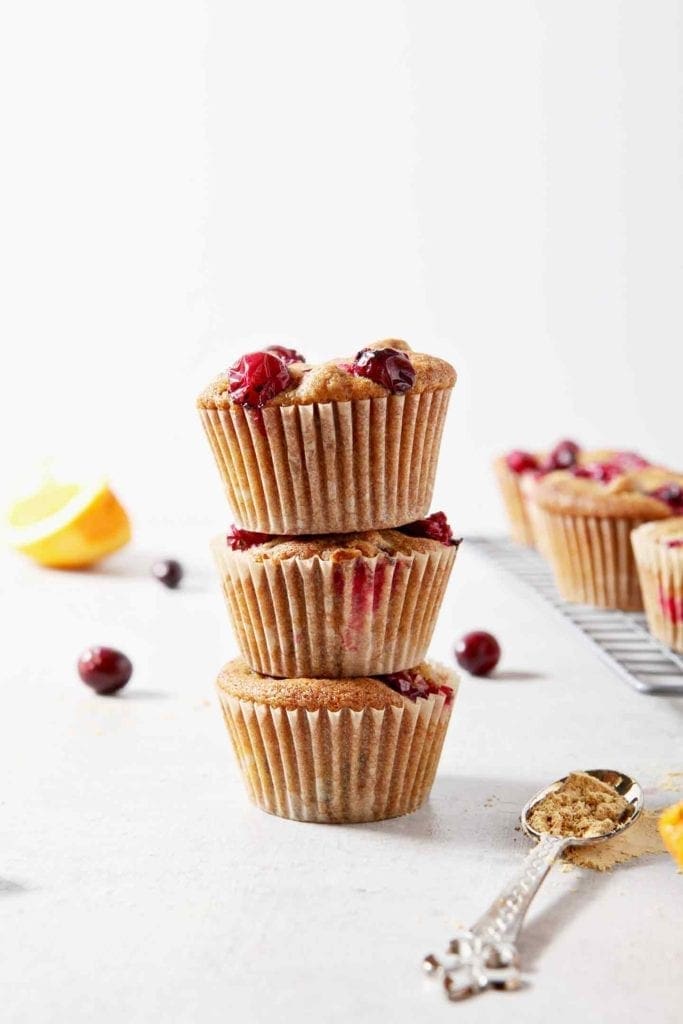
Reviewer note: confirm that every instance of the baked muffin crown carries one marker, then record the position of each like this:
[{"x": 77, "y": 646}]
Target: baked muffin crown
[
  {"x": 333, "y": 547},
  {"x": 641, "y": 494},
  {"x": 236, "y": 679},
  {"x": 333, "y": 381}
]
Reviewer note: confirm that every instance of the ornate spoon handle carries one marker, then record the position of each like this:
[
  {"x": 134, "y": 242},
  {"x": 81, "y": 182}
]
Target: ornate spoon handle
[{"x": 486, "y": 955}]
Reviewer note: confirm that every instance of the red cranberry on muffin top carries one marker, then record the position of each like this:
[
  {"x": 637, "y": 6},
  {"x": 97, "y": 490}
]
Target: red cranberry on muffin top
[
  {"x": 563, "y": 456},
  {"x": 411, "y": 683},
  {"x": 386, "y": 366},
  {"x": 290, "y": 355},
  {"x": 241, "y": 540},
  {"x": 434, "y": 527},
  {"x": 603, "y": 472},
  {"x": 521, "y": 462},
  {"x": 671, "y": 494},
  {"x": 257, "y": 377}
]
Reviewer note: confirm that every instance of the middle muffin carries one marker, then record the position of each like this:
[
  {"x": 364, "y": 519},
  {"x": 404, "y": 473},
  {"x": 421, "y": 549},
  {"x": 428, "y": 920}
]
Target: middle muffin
[{"x": 339, "y": 605}]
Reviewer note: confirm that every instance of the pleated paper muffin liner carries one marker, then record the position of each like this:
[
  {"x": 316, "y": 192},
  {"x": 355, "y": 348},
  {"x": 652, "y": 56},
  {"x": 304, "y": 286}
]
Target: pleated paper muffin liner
[
  {"x": 528, "y": 484},
  {"x": 333, "y": 467},
  {"x": 592, "y": 559},
  {"x": 661, "y": 581},
  {"x": 337, "y": 766},
  {"x": 515, "y": 503},
  {"x": 311, "y": 617}
]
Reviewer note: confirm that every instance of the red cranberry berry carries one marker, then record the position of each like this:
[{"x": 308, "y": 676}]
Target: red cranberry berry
[
  {"x": 169, "y": 572},
  {"x": 677, "y": 542},
  {"x": 434, "y": 527},
  {"x": 386, "y": 366},
  {"x": 478, "y": 652},
  {"x": 563, "y": 455},
  {"x": 671, "y": 493},
  {"x": 240, "y": 540},
  {"x": 104, "y": 669},
  {"x": 603, "y": 472},
  {"x": 258, "y": 377},
  {"x": 290, "y": 355},
  {"x": 413, "y": 684},
  {"x": 521, "y": 462}
]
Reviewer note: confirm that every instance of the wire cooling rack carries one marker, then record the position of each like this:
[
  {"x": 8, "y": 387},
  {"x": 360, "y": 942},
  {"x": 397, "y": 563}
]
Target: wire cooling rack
[{"x": 620, "y": 638}]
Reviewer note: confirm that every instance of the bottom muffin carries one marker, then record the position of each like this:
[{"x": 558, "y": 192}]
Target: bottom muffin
[
  {"x": 338, "y": 750},
  {"x": 658, "y": 548}
]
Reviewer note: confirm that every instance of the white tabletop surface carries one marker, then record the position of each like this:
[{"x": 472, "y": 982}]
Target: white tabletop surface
[{"x": 137, "y": 883}]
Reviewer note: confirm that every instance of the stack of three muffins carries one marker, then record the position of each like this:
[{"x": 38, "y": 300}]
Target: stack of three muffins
[{"x": 334, "y": 579}]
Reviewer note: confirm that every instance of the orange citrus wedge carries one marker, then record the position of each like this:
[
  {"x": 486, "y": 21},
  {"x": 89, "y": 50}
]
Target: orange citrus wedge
[
  {"x": 68, "y": 525},
  {"x": 671, "y": 830}
]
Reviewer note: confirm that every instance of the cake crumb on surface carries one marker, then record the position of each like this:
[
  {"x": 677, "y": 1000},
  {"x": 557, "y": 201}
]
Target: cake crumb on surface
[{"x": 582, "y": 806}]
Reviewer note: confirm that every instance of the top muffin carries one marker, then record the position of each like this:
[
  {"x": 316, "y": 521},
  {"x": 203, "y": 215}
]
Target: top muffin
[
  {"x": 341, "y": 447},
  {"x": 281, "y": 376}
]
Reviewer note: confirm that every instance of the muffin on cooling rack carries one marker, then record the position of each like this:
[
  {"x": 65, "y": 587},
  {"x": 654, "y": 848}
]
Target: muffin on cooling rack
[
  {"x": 588, "y": 517},
  {"x": 658, "y": 548},
  {"x": 519, "y": 473}
]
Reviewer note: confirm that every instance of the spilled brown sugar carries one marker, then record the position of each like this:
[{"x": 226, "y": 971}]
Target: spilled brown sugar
[{"x": 582, "y": 806}]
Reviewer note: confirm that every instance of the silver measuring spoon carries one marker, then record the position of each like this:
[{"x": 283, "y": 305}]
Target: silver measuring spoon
[{"x": 486, "y": 956}]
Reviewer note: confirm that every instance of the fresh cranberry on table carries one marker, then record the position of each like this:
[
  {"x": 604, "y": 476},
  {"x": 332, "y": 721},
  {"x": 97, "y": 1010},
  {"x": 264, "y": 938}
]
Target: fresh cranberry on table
[
  {"x": 434, "y": 527},
  {"x": 386, "y": 366},
  {"x": 169, "y": 572},
  {"x": 521, "y": 462},
  {"x": 290, "y": 355},
  {"x": 563, "y": 455},
  {"x": 257, "y": 377},
  {"x": 240, "y": 540},
  {"x": 413, "y": 684},
  {"x": 478, "y": 652},
  {"x": 104, "y": 669},
  {"x": 671, "y": 493}
]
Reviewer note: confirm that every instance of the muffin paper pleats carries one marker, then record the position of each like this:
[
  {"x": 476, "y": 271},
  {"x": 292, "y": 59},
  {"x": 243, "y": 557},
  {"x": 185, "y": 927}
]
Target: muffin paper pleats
[
  {"x": 337, "y": 766},
  {"x": 318, "y": 618},
  {"x": 661, "y": 579},
  {"x": 515, "y": 503},
  {"x": 592, "y": 559},
  {"x": 335, "y": 467}
]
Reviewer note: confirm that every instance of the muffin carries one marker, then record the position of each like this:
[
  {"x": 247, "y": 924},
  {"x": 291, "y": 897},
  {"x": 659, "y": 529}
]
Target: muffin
[
  {"x": 519, "y": 472},
  {"x": 658, "y": 548},
  {"x": 588, "y": 516},
  {"x": 338, "y": 750},
  {"x": 338, "y": 604},
  {"x": 341, "y": 447}
]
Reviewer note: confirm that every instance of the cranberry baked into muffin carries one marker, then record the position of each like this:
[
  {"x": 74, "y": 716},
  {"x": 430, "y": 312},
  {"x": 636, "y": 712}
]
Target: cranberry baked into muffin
[
  {"x": 339, "y": 447},
  {"x": 658, "y": 548},
  {"x": 338, "y": 750},
  {"x": 519, "y": 472},
  {"x": 588, "y": 516},
  {"x": 336, "y": 605}
]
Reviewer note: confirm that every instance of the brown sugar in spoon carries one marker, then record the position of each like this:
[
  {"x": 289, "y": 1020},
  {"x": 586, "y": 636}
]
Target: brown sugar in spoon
[{"x": 486, "y": 955}]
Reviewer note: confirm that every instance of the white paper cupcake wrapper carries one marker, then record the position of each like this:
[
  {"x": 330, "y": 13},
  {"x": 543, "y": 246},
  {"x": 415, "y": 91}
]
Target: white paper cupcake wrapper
[
  {"x": 515, "y": 503},
  {"x": 337, "y": 766},
  {"x": 320, "y": 619},
  {"x": 593, "y": 560},
  {"x": 661, "y": 580},
  {"x": 334, "y": 467}
]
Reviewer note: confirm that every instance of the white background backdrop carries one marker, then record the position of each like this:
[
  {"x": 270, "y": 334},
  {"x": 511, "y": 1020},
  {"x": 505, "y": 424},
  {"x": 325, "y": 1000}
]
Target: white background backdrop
[{"x": 497, "y": 182}]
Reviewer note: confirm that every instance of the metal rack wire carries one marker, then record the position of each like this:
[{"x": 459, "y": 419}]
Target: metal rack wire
[{"x": 620, "y": 638}]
